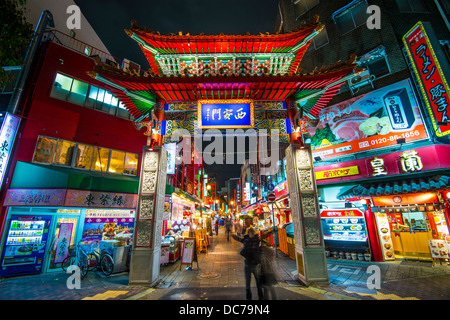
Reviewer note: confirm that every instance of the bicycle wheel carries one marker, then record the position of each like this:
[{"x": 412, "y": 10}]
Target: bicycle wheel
[
  {"x": 93, "y": 261},
  {"x": 83, "y": 264},
  {"x": 107, "y": 264},
  {"x": 67, "y": 262}
]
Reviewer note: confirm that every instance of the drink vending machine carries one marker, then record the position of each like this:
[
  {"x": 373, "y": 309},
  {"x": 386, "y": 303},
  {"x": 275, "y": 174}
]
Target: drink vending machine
[{"x": 25, "y": 245}]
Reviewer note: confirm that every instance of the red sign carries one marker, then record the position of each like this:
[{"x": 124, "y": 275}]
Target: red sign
[
  {"x": 281, "y": 189},
  {"x": 432, "y": 81},
  {"x": 271, "y": 197},
  {"x": 416, "y": 198},
  {"x": 341, "y": 213}
]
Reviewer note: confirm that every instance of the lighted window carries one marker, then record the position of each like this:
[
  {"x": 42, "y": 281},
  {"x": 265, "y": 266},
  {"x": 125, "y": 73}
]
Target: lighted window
[
  {"x": 101, "y": 158},
  {"x": 45, "y": 149},
  {"x": 64, "y": 153},
  {"x": 301, "y": 6},
  {"x": 78, "y": 93},
  {"x": 61, "y": 87},
  {"x": 84, "y": 156},
  {"x": 412, "y": 6},
  {"x": 117, "y": 161},
  {"x": 352, "y": 17},
  {"x": 131, "y": 162}
]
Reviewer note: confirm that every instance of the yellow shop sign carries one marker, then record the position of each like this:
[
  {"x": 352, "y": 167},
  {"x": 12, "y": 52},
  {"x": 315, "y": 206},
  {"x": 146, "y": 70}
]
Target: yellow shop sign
[{"x": 335, "y": 173}]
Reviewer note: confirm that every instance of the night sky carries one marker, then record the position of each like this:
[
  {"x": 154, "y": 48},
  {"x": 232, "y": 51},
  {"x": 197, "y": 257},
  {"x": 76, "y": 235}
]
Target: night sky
[{"x": 110, "y": 18}]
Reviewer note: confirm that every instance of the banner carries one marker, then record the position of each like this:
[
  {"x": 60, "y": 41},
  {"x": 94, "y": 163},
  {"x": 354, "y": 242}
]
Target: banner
[{"x": 377, "y": 119}]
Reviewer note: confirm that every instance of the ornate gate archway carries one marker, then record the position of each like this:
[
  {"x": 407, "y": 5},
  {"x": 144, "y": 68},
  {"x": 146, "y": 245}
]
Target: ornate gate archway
[{"x": 261, "y": 70}]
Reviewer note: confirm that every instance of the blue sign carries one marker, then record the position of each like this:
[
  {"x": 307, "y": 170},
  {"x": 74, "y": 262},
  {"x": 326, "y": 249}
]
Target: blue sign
[
  {"x": 225, "y": 114},
  {"x": 270, "y": 187}
]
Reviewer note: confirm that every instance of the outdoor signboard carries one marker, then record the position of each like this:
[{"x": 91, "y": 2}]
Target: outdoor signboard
[
  {"x": 225, "y": 114},
  {"x": 431, "y": 79},
  {"x": 171, "y": 157},
  {"x": 373, "y": 120},
  {"x": 7, "y": 137}
]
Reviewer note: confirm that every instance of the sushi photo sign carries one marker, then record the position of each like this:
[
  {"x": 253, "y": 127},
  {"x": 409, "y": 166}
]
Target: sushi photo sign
[{"x": 380, "y": 118}]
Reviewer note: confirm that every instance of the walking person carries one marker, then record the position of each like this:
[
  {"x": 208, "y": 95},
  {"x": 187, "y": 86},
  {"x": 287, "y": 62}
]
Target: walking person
[
  {"x": 216, "y": 226},
  {"x": 228, "y": 226},
  {"x": 251, "y": 253},
  {"x": 268, "y": 279}
]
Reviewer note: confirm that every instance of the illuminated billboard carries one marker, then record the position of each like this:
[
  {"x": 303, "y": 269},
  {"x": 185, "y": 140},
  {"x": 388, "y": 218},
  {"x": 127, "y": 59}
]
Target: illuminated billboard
[{"x": 225, "y": 114}]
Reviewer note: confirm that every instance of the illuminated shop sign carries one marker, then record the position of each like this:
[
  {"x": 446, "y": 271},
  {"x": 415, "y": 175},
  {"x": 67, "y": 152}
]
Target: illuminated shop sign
[
  {"x": 370, "y": 121},
  {"x": 171, "y": 157},
  {"x": 225, "y": 114},
  {"x": 410, "y": 161},
  {"x": 432, "y": 82},
  {"x": 335, "y": 173},
  {"x": 7, "y": 136}
]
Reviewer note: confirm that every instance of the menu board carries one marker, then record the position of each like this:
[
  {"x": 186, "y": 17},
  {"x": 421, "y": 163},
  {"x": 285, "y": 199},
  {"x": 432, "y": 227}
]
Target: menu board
[
  {"x": 188, "y": 251},
  {"x": 439, "y": 249},
  {"x": 343, "y": 225},
  {"x": 384, "y": 232}
]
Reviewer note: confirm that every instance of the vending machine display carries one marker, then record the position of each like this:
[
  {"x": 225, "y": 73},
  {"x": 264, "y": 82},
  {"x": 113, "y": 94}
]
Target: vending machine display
[{"x": 25, "y": 244}]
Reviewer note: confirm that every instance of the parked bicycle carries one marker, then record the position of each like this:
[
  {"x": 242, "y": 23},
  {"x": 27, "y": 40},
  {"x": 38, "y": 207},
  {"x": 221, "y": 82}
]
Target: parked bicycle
[
  {"x": 78, "y": 257},
  {"x": 99, "y": 259}
]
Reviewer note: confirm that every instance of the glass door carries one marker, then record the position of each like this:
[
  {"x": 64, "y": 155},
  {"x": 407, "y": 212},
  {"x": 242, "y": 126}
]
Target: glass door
[{"x": 64, "y": 238}]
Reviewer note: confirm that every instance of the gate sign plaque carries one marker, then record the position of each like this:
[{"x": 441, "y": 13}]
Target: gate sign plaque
[{"x": 225, "y": 114}]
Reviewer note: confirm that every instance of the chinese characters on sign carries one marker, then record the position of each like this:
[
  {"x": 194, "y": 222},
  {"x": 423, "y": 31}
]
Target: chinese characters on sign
[
  {"x": 7, "y": 136},
  {"x": 340, "y": 172},
  {"x": 223, "y": 114},
  {"x": 34, "y": 197},
  {"x": 82, "y": 198},
  {"x": 432, "y": 81},
  {"x": 378, "y": 167},
  {"x": 409, "y": 161}
]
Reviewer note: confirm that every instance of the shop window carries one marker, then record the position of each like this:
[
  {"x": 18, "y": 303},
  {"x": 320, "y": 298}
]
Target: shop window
[
  {"x": 301, "y": 6},
  {"x": 45, "y": 150},
  {"x": 131, "y": 162},
  {"x": 101, "y": 99},
  {"x": 117, "y": 161},
  {"x": 101, "y": 158},
  {"x": 352, "y": 18},
  {"x": 61, "y": 87},
  {"x": 78, "y": 92},
  {"x": 412, "y": 6},
  {"x": 64, "y": 153},
  {"x": 321, "y": 39},
  {"x": 84, "y": 156}
]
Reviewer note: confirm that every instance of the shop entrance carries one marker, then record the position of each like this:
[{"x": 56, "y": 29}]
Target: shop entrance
[
  {"x": 63, "y": 240},
  {"x": 412, "y": 231}
]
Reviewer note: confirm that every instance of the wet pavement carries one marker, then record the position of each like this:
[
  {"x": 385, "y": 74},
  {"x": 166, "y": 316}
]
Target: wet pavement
[{"x": 219, "y": 275}]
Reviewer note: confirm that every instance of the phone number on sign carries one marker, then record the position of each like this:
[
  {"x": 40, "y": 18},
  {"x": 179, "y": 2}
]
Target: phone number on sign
[{"x": 395, "y": 137}]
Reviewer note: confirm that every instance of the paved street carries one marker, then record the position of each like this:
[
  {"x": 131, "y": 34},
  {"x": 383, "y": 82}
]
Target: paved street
[{"x": 220, "y": 276}]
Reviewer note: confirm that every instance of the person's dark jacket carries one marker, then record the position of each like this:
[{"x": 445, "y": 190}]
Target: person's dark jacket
[{"x": 251, "y": 250}]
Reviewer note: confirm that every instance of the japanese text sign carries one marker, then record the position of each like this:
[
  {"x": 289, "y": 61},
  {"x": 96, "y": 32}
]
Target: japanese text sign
[
  {"x": 432, "y": 82},
  {"x": 7, "y": 136},
  {"x": 334, "y": 173},
  {"x": 225, "y": 114}
]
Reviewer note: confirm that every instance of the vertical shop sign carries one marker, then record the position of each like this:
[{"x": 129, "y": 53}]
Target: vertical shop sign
[
  {"x": 63, "y": 242},
  {"x": 431, "y": 79},
  {"x": 385, "y": 236},
  {"x": 171, "y": 157},
  {"x": 7, "y": 137}
]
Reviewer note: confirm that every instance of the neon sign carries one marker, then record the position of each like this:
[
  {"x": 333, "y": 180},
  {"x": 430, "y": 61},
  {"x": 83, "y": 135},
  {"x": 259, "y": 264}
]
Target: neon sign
[{"x": 431, "y": 79}]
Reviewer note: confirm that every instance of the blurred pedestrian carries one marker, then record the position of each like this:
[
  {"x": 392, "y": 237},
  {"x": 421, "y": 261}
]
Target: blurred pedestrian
[
  {"x": 268, "y": 278},
  {"x": 216, "y": 226},
  {"x": 252, "y": 254},
  {"x": 228, "y": 226}
]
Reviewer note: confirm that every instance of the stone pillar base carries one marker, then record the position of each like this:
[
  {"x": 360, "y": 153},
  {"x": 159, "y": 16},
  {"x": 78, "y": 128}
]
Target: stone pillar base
[
  {"x": 144, "y": 267},
  {"x": 312, "y": 266}
]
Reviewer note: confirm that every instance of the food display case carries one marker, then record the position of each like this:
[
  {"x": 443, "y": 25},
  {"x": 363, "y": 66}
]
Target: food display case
[
  {"x": 173, "y": 243},
  {"x": 25, "y": 245},
  {"x": 344, "y": 230}
]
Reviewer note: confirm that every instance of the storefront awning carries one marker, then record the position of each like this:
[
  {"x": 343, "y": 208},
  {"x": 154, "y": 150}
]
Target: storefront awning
[
  {"x": 396, "y": 187},
  {"x": 183, "y": 194}
]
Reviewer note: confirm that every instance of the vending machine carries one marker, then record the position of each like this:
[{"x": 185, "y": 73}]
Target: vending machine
[{"x": 25, "y": 244}]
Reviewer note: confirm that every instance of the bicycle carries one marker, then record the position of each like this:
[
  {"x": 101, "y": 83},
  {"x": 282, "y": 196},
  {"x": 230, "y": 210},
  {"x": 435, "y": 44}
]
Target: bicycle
[
  {"x": 95, "y": 255},
  {"x": 77, "y": 257}
]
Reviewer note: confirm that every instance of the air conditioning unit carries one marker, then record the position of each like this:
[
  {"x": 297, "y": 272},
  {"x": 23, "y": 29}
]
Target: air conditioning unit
[
  {"x": 130, "y": 65},
  {"x": 361, "y": 79}
]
